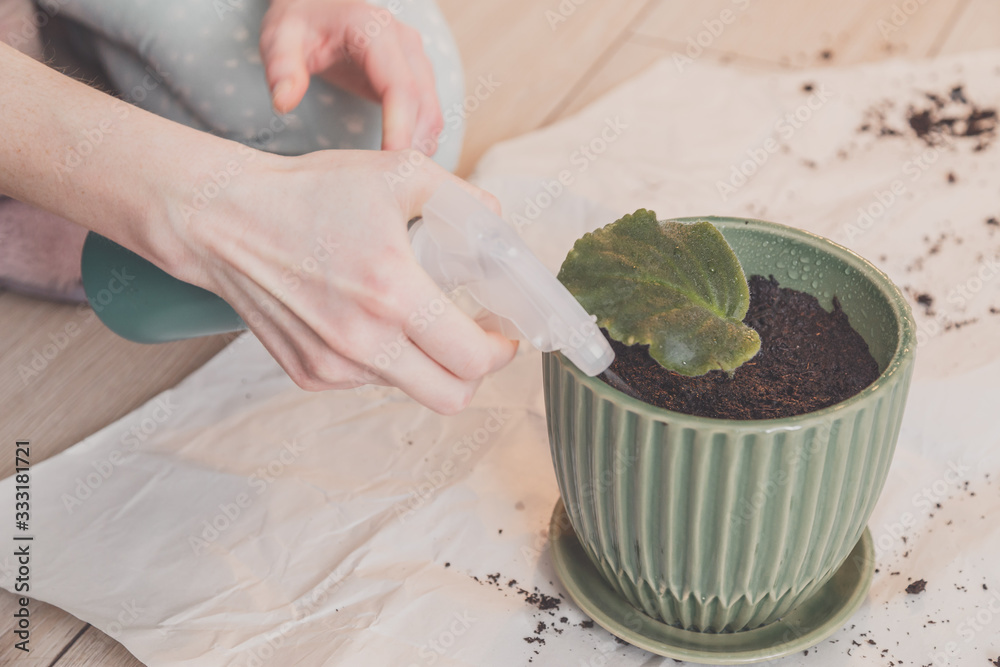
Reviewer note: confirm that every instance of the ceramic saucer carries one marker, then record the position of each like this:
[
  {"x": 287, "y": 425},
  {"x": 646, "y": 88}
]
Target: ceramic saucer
[{"x": 825, "y": 612}]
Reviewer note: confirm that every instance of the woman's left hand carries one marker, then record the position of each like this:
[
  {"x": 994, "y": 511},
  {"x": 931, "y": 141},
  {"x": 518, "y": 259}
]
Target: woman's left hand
[{"x": 362, "y": 49}]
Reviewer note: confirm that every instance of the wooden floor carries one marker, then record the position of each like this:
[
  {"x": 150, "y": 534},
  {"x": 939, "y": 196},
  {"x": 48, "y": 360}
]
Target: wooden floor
[{"x": 549, "y": 65}]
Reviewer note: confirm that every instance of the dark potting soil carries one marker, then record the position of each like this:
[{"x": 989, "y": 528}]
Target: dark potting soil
[{"x": 809, "y": 359}]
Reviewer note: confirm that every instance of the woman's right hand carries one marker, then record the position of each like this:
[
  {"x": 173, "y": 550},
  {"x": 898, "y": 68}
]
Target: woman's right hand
[{"x": 313, "y": 253}]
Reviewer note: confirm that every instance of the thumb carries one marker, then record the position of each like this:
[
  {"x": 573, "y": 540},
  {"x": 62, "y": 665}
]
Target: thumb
[{"x": 282, "y": 49}]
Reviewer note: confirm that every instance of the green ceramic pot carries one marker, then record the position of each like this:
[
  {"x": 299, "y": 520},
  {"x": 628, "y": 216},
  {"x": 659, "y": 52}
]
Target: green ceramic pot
[{"x": 716, "y": 525}]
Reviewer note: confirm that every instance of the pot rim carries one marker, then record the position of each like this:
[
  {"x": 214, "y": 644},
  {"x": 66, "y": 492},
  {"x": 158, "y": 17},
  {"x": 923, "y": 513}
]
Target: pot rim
[{"x": 901, "y": 359}]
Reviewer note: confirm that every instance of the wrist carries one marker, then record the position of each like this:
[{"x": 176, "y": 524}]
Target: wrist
[
  {"x": 100, "y": 162},
  {"x": 204, "y": 218},
  {"x": 194, "y": 202}
]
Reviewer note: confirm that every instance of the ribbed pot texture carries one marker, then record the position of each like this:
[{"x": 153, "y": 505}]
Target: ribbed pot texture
[{"x": 718, "y": 525}]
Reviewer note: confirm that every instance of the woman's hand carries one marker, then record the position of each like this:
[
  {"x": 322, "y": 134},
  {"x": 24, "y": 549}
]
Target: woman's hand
[
  {"x": 313, "y": 253},
  {"x": 362, "y": 49}
]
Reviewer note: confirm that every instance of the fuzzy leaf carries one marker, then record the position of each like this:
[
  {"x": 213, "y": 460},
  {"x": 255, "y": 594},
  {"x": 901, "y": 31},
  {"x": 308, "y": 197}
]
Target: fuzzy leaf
[{"x": 676, "y": 287}]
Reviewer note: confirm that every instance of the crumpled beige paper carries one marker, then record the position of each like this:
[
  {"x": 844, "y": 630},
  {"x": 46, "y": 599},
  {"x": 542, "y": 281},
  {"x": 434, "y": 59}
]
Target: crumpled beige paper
[{"x": 235, "y": 520}]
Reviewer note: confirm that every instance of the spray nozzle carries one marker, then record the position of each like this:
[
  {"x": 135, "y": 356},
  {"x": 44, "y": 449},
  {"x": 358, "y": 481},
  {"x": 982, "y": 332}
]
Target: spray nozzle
[{"x": 461, "y": 242}]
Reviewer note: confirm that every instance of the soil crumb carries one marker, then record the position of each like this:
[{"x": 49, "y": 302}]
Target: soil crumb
[
  {"x": 927, "y": 301},
  {"x": 916, "y": 587}
]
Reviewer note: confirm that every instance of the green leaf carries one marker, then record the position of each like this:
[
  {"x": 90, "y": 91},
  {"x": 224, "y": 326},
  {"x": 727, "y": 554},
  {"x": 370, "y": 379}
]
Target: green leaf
[{"x": 676, "y": 287}]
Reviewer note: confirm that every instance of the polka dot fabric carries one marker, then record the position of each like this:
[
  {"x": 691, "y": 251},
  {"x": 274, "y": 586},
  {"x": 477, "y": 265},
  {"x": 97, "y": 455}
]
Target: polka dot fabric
[{"x": 198, "y": 63}]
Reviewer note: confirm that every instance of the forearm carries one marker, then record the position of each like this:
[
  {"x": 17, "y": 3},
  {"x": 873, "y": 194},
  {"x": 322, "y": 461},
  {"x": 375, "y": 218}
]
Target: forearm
[{"x": 100, "y": 162}]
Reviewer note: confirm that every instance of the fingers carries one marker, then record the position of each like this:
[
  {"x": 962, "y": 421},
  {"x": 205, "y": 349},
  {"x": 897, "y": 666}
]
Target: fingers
[
  {"x": 303, "y": 355},
  {"x": 388, "y": 70},
  {"x": 347, "y": 76},
  {"x": 367, "y": 313},
  {"x": 422, "y": 378},
  {"x": 399, "y": 118},
  {"x": 486, "y": 197},
  {"x": 411, "y": 334},
  {"x": 439, "y": 372},
  {"x": 429, "y": 122},
  {"x": 448, "y": 336},
  {"x": 421, "y": 185},
  {"x": 283, "y": 50},
  {"x": 393, "y": 67},
  {"x": 440, "y": 366},
  {"x": 402, "y": 78},
  {"x": 404, "y": 331}
]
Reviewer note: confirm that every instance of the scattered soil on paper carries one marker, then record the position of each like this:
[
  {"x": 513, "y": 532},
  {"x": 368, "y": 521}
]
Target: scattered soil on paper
[{"x": 937, "y": 119}]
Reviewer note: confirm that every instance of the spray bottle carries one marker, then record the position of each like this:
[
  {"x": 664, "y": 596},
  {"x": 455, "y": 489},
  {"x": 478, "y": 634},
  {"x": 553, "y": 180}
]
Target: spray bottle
[{"x": 458, "y": 241}]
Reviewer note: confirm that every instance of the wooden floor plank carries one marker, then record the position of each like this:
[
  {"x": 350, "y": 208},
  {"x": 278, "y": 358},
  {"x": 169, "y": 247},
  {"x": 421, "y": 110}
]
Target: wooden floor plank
[
  {"x": 793, "y": 33},
  {"x": 536, "y": 52},
  {"x": 785, "y": 32},
  {"x": 51, "y": 630},
  {"x": 561, "y": 110},
  {"x": 629, "y": 59},
  {"x": 976, "y": 28},
  {"x": 65, "y": 376},
  {"x": 906, "y": 29},
  {"x": 965, "y": 25},
  {"x": 96, "y": 648}
]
